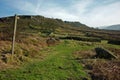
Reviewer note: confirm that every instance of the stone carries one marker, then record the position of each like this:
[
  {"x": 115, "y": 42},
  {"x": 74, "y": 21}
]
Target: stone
[{"x": 105, "y": 54}]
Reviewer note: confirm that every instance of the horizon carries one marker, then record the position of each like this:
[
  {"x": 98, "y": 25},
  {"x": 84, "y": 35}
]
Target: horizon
[{"x": 94, "y": 13}]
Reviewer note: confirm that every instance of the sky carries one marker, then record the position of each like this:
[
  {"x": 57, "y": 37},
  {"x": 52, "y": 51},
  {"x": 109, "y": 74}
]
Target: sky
[{"x": 94, "y": 13}]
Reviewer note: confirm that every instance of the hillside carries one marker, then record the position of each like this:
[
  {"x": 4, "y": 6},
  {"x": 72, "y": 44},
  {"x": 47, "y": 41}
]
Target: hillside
[
  {"x": 29, "y": 24},
  {"x": 38, "y": 22},
  {"x": 44, "y": 46},
  {"x": 34, "y": 24}
]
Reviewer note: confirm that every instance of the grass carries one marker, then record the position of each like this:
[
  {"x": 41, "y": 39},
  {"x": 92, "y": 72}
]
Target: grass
[{"x": 58, "y": 64}]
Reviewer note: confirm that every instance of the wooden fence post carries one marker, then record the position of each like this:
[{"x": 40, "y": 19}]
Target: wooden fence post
[{"x": 14, "y": 35}]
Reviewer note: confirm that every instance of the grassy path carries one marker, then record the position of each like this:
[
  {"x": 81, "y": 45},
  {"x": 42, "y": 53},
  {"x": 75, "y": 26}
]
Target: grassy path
[{"x": 59, "y": 64}]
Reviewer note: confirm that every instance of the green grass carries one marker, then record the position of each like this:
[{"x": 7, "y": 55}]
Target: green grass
[{"x": 59, "y": 64}]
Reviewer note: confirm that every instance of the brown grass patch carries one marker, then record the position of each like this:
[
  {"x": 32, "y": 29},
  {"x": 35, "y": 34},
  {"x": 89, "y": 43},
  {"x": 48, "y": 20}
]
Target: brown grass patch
[
  {"x": 115, "y": 51},
  {"x": 105, "y": 70},
  {"x": 84, "y": 54}
]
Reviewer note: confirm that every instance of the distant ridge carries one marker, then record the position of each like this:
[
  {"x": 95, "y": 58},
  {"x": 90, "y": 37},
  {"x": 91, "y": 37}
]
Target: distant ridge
[{"x": 112, "y": 27}]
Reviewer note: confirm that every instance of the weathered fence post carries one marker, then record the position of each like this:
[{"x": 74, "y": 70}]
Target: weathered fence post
[{"x": 14, "y": 35}]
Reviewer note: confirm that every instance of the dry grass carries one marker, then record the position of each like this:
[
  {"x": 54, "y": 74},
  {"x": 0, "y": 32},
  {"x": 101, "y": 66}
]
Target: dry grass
[
  {"x": 105, "y": 70},
  {"x": 84, "y": 54},
  {"x": 99, "y": 69},
  {"x": 25, "y": 50},
  {"x": 115, "y": 51}
]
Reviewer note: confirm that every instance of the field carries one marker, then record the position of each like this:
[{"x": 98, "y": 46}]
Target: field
[
  {"x": 61, "y": 62},
  {"x": 58, "y": 64}
]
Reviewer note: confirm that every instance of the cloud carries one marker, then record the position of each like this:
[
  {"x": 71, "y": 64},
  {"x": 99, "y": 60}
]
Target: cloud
[
  {"x": 94, "y": 13},
  {"x": 104, "y": 15}
]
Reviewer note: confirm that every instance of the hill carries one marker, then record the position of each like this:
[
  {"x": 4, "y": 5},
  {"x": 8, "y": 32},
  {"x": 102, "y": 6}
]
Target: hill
[
  {"x": 40, "y": 22},
  {"x": 31, "y": 24},
  {"x": 35, "y": 24},
  {"x": 112, "y": 27},
  {"x": 44, "y": 46}
]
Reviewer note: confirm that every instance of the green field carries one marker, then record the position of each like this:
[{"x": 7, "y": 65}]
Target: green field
[{"x": 58, "y": 64}]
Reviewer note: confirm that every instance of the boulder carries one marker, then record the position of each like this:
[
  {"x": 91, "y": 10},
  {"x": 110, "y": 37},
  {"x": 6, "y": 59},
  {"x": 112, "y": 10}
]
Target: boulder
[{"x": 105, "y": 54}]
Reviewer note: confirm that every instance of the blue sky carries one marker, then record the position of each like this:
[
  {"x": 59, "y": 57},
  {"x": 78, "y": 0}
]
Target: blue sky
[{"x": 93, "y": 13}]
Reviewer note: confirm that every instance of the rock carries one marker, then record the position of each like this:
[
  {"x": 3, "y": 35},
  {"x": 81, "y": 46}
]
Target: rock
[
  {"x": 103, "y": 53},
  {"x": 50, "y": 41}
]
